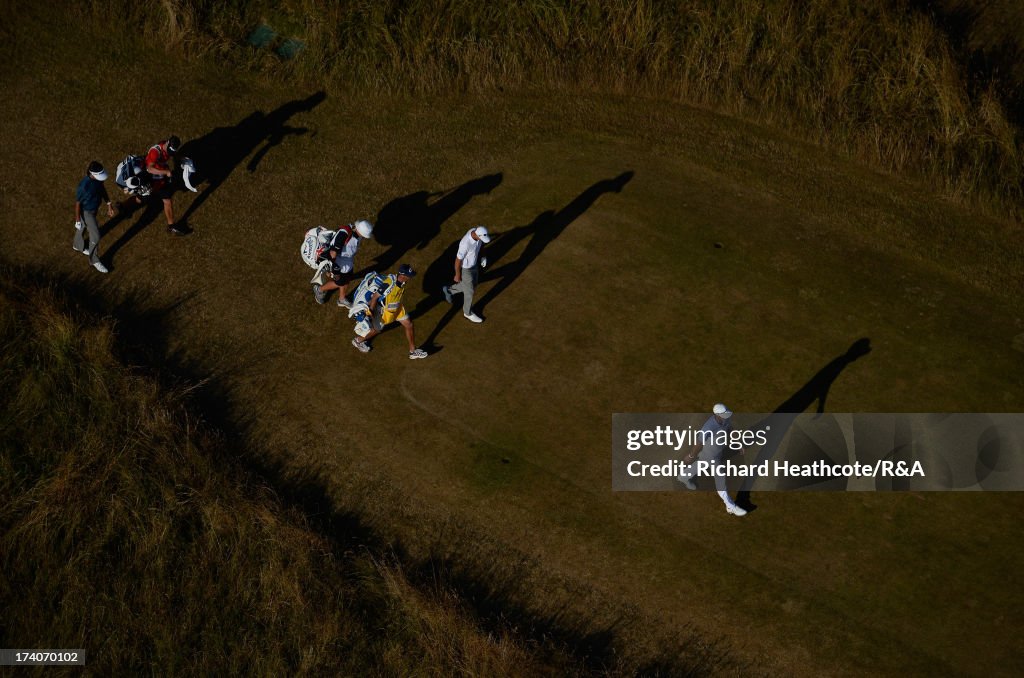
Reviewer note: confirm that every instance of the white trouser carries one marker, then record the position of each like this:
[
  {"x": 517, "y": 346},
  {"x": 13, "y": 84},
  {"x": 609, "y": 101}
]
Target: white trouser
[{"x": 713, "y": 455}]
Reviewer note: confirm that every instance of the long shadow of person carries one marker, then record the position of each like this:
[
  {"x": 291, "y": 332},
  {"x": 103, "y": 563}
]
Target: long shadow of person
[
  {"x": 221, "y": 150},
  {"x": 438, "y": 274},
  {"x": 216, "y": 155},
  {"x": 413, "y": 220},
  {"x": 541, "y": 232},
  {"x": 149, "y": 212},
  {"x": 814, "y": 391}
]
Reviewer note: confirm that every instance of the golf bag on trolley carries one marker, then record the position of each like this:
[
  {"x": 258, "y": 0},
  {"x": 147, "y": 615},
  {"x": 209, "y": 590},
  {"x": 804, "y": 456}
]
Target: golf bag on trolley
[
  {"x": 134, "y": 180},
  {"x": 316, "y": 241},
  {"x": 360, "y": 310},
  {"x": 132, "y": 176}
]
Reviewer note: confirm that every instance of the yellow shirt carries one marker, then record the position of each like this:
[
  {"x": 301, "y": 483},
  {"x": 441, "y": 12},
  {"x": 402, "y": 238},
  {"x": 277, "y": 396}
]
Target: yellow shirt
[{"x": 390, "y": 298}]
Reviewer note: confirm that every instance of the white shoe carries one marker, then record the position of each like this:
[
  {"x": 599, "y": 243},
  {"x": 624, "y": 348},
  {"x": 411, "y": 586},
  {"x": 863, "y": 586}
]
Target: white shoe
[
  {"x": 473, "y": 317},
  {"x": 100, "y": 267},
  {"x": 361, "y": 345},
  {"x": 417, "y": 354},
  {"x": 687, "y": 483},
  {"x": 735, "y": 510},
  {"x": 344, "y": 302}
]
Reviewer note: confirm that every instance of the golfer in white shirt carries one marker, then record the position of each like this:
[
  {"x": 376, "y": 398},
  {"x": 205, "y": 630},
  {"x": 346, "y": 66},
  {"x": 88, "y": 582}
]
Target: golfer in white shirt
[
  {"x": 468, "y": 261},
  {"x": 719, "y": 421}
]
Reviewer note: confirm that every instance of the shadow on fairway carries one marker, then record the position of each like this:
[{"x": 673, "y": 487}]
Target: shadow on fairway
[
  {"x": 438, "y": 274},
  {"x": 492, "y": 589},
  {"x": 216, "y": 155},
  {"x": 413, "y": 221},
  {"x": 814, "y": 391},
  {"x": 484, "y": 572},
  {"x": 143, "y": 329},
  {"x": 541, "y": 232},
  {"x": 149, "y": 212},
  {"x": 221, "y": 150}
]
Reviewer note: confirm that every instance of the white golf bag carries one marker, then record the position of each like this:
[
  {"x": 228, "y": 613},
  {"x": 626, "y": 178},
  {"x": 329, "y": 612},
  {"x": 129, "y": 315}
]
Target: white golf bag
[
  {"x": 132, "y": 177},
  {"x": 314, "y": 243},
  {"x": 360, "y": 310}
]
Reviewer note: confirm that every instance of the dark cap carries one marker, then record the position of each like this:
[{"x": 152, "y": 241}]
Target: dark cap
[
  {"x": 406, "y": 270},
  {"x": 173, "y": 143}
]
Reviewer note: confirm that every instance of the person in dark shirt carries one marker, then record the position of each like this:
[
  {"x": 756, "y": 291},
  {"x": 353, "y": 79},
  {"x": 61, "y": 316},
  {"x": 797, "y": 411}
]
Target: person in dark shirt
[{"x": 91, "y": 192}]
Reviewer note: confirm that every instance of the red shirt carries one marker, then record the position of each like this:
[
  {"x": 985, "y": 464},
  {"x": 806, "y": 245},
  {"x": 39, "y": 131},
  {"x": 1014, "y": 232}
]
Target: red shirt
[{"x": 157, "y": 157}]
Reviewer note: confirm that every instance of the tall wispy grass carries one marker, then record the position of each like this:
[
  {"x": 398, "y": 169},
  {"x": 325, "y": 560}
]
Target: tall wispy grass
[
  {"x": 130, "y": 529},
  {"x": 875, "y": 78}
]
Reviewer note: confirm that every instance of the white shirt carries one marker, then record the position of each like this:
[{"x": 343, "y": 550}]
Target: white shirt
[
  {"x": 469, "y": 249},
  {"x": 345, "y": 260},
  {"x": 351, "y": 247},
  {"x": 713, "y": 451}
]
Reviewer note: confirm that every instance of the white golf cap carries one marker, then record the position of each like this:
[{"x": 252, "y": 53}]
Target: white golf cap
[
  {"x": 99, "y": 176},
  {"x": 481, "y": 232},
  {"x": 364, "y": 228},
  {"x": 722, "y": 411}
]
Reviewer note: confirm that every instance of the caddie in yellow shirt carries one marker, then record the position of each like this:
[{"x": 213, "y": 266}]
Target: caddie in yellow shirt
[{"x": 379, "y": 301}]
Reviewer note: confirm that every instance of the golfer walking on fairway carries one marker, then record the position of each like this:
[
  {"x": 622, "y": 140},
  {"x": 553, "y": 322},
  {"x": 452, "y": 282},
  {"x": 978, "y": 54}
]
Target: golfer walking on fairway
[
  {"x": 90, "y": 195},
  {"x": 468, "y": 261},
  {"x": 710, "y": 451}
]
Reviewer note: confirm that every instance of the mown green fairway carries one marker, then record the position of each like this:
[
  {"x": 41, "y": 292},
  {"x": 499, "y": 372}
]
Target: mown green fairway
[{"x": 606, "y": 294}]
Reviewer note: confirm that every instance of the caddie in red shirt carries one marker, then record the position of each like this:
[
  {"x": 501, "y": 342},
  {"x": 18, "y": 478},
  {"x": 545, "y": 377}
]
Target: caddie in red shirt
[{"x": 158, "y": 164}]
